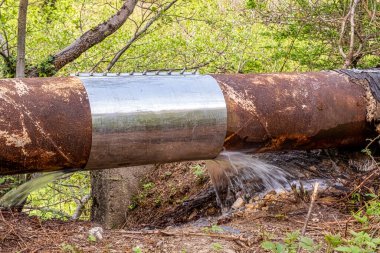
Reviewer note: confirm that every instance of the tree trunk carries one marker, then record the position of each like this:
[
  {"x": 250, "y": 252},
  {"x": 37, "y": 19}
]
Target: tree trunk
[
  {"x": 112, "y": 193},
  {"x": 21, "y": 35}
]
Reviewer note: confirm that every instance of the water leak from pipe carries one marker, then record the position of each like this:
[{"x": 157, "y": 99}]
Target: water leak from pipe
[
  {"x": 238, "y": 174},
  {"x": 18, "y": 195}
]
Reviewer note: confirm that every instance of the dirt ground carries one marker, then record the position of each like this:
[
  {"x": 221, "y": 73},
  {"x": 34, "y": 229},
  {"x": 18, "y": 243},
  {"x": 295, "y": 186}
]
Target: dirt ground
[
  {"x": 176, "y": 211},
  {"x": 241, "y": 230}
]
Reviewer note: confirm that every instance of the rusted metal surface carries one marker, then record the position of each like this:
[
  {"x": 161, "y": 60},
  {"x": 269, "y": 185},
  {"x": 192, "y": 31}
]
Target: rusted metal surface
[
  {"x": 269, "y": 112},
  {"x": 45, "y": 124}
]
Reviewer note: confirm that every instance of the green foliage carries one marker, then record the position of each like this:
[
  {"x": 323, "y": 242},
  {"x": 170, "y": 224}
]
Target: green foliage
[
  {"x": 308, "y": 244},
  {"x": 68, "y": 248},
  {"x": 360, "y": 242},
  {"x": 217, "y": 36},
  {"x": 136, "y": 249},
  {"x": 46, "y": 68},
  {"x": 360, "y": 218},
  {"x": 132, "y": 206},
  {"x": 9, "y": 182},
  {"x": 148, "y": 186},
  {"x": 213, "y": 229},
  {"x": 91, "y": 238},
  {"x": 333, "y": 240},
  {"x": 274, "y": 247},
  {"x": 256, "y": 4},
  {"x": 356, "y": 242},
  {"x": 199, "y": 172},
  {"x": 217, "y": 246},
  {"x": 216, "y": 229},
  {"x": 59, "y": 199},
  {"x": 291, "y": 243}
]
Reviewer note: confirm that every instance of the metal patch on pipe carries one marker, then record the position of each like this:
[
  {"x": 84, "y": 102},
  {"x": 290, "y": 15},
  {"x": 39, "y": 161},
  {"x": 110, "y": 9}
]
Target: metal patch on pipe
[
  {"x": 45, "y": 125},
  {"x": 147, "y": 119}
]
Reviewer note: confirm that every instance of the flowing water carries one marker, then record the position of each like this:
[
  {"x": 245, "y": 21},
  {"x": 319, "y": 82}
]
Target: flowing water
[
  {"x": 237, "y": 174},
  {"x": 18, "y": 195}
]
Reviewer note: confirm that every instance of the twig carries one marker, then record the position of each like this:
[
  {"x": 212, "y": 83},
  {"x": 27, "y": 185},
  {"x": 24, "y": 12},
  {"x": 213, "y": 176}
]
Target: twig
[
  {"x": 361, "y": 184},
  {"x": 11, "y": 231},
  {"x": 138, "y": 34},
  {"x": 351, "y": 17},
  {"x": 80, "y": 206},
  {"x": 165, "y": 233},
  {"x": 313, "y": 197}
]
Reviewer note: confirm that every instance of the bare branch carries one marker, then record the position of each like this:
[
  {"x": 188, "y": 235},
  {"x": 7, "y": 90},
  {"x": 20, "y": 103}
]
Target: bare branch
[
  {"x": 94, "y": 36},
  {"x": 21, "y": 36},
  {"x": 352, "y": 33},
  {"x": 47, "y": 210},
  {"x": 4, "y": 45},
  {"x": 138, "y": 34},
  {"x": 341, "y": 35},
  {"x": 80, "y": 206},
  {"x": 349, "y": 57}
]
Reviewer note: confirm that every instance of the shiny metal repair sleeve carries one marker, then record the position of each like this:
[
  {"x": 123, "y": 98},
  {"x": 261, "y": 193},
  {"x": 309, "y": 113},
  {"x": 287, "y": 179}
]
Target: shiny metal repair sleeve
[{"x": 147, "y": 119}]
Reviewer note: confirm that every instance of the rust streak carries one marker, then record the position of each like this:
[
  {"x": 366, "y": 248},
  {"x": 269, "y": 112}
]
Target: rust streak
[{"x": 43, "y": 129}]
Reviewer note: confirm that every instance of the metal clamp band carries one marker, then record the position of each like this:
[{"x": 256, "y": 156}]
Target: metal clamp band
[{"x": 148, "y": 118}]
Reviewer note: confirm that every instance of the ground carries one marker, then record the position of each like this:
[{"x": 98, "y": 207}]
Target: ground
[
  {"x": 176, "y": 211},
  {"x": 241, "y": 230}
]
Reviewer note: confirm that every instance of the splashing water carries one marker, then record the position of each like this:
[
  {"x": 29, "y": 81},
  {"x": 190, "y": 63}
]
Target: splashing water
[
  {"x": 18, "y": 195},
  {"x": 237, "y": 174}
]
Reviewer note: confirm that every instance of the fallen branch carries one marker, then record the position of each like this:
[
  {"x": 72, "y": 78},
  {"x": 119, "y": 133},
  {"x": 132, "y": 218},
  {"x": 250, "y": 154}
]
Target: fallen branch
[
  {"x": 180, "y": 234},
  {"x": 313, "y": 197}
]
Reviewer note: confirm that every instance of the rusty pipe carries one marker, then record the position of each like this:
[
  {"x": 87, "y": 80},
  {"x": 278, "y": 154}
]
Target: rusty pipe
[
  {"x": 268, "y": 112},
  {"x": 89, "y": 122}
]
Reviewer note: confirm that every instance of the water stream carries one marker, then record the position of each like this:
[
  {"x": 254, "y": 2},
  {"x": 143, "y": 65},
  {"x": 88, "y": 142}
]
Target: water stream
[
  {"x": 236, "y": 174},
  {"x": 18, "y": 195}
]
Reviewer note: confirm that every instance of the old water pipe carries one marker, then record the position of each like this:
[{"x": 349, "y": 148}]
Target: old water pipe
[{"x": 97, "y": 121}]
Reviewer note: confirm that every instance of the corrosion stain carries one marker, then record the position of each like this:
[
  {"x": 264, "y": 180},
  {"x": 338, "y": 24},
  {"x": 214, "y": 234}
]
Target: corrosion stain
[
  {"x": 293, "y": 110},
  {"x": 45, "y": 124}
]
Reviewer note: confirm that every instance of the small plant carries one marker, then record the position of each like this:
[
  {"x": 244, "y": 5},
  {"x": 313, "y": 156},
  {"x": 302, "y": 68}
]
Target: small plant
[
  {"x": 137, "y": 249},
  {"x": 91, "y": 238},
  {"x": 199, "y": 172},
  {"x": 332, "y": 241},
  {"x": 148, "y": 186},
  {"x": 360, "y": 217},
  {"x": 308, "y": 244},
  {"x": 213, "y": 229},
  {"x": 216, "y": 229},
  {"x": 291, "y": 243},
  {"x": 158, "y": 201},
  {"x": 217, "y": 246},
  {"x": 360, "y": 242},
  {"x": 132, "y": 206},
  {"x": 274, "y": 247},
  {"x": 65, "y": 247}
]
